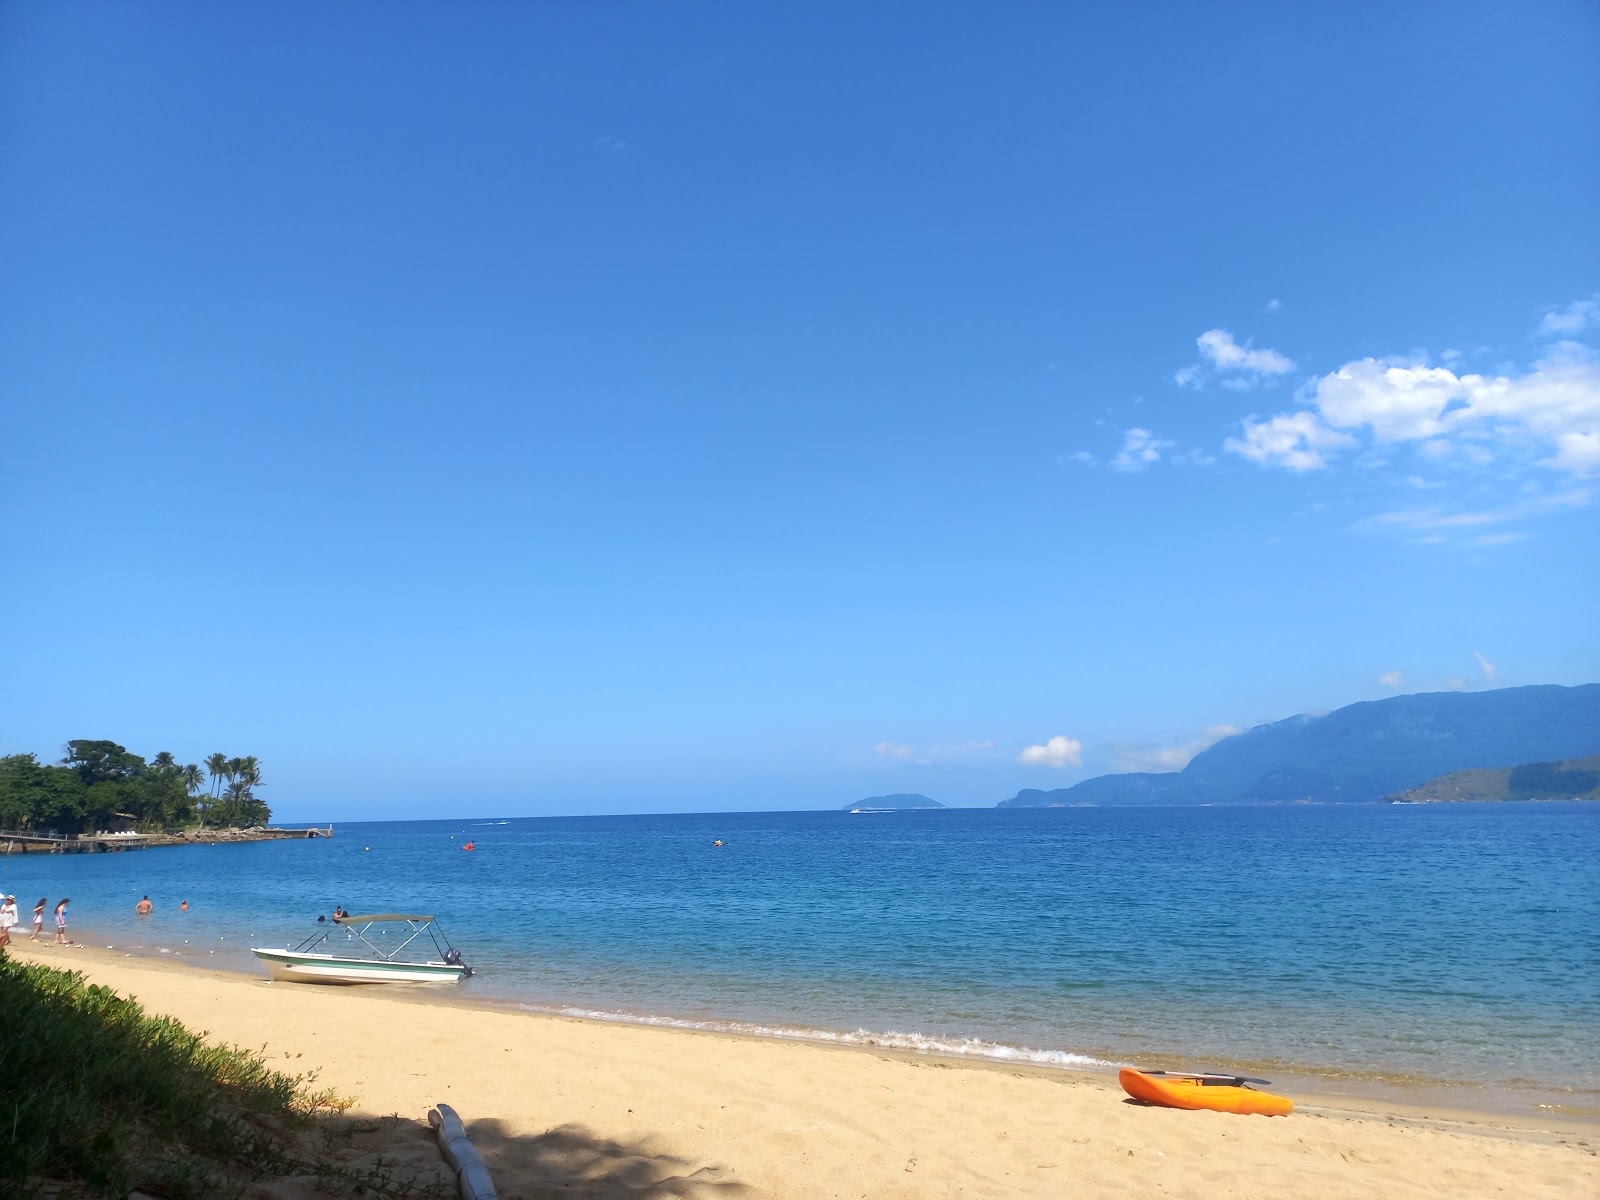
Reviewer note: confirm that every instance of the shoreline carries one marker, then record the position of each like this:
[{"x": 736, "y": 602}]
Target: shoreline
[
  {"x": 565, "y": 1105},
  {"x": 121, "y": 843},
  {"x": 1434, "y": 1102}
]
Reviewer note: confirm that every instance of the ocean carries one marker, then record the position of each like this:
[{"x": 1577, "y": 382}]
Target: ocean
[{"x": 1446, "y": 950}]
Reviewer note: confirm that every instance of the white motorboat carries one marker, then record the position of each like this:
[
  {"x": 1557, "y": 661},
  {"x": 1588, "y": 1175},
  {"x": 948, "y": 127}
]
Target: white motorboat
[{"x": 371, "y": 958}]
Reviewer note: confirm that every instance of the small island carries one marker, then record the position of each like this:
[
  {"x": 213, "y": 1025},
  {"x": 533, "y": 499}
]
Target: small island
[
  {"x": 1575, "y": 779},
  {"x": 894, "y": 803}
]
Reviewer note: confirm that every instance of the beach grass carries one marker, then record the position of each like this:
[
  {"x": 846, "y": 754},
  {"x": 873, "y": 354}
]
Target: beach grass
[{"x": 104, "y": 1099}]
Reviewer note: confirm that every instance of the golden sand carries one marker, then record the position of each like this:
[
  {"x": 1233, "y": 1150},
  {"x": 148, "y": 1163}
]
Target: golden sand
[{"x": 564, "y": 1107}]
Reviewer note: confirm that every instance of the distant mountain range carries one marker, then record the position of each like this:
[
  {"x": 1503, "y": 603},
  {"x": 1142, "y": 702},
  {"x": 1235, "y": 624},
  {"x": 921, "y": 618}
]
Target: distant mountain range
[
  {"x": 1578, "y": 779},
  {"x": 898, "y": 800},
  {"x": 1362, "y": 752}
]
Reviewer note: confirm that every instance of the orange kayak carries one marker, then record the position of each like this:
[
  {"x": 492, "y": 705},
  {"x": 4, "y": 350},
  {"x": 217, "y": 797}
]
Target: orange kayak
[{"x": 1220, "y": 1093}]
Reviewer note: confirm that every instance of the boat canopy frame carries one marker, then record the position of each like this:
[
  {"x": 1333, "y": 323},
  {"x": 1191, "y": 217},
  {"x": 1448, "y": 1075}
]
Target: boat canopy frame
[{"x": 416, "y": 924}]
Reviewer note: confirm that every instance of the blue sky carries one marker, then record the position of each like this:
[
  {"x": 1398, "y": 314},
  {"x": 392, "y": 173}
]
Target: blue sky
[{"x": 670, "y": 408}]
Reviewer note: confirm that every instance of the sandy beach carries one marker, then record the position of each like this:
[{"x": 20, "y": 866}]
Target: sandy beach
[{"x": 564, "y": 1107}]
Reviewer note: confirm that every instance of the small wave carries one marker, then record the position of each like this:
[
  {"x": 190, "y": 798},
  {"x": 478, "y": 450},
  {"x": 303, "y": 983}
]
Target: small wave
[{"x": 890, "y": 1040}]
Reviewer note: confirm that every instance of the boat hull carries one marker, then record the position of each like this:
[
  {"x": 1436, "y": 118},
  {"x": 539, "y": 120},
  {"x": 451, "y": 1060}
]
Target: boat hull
[
  {"x": 291, "y": 967},
  {"x": 1181, "y": 1092}
]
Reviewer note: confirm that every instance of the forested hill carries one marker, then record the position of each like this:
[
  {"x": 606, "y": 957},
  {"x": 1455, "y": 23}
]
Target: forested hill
[
  {"x": 1362, "y": 752},
  {"x": 1578, "y": 779}
]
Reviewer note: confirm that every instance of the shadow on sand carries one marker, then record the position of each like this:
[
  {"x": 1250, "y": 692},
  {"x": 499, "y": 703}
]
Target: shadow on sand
[
  {"x": 571, "y": 1160},
  {"x": 567, "y": 1161}
]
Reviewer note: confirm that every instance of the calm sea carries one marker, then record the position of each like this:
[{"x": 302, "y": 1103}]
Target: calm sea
[{"x": 1456, "y": 947}]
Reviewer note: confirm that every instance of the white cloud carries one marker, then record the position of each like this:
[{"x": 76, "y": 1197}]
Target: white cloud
[
  {"x": 1489, "y": 671},
  {"x": 1392, "y": 679},
  {"x": 1577, "y": 452},
  {"x": 1243, "y": 367},
  {"x": 1455, "y": 684},
  {"x": 1059, "y": 751},
  {"x": 1140, "y": 448},
  {"x": 1555, "y": 406},
  {"x": 1573, "y": 319},
  {"x": 1274, "y": 304},
  {"x": 1396, "y": 403},
  {"x": 1295, "y": 441},
  {"x": 891, "y": 750},
  {"x": 1218, "y": 346}
]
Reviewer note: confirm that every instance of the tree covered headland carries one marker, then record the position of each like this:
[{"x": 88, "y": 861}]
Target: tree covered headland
[{"x": 100, "y": 785}]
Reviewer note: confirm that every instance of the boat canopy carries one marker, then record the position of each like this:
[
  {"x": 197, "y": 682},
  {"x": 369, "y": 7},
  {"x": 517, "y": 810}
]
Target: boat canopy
[
  {"x": 358, "y": 928},
  {"x": 362, "y": 920}
]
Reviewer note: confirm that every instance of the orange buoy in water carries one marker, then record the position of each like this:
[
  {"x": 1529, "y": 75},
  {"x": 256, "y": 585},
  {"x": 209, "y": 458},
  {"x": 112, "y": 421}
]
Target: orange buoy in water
[
  {"x": 469, "y": 845},
  {"x": 1220, "y": 1093}
]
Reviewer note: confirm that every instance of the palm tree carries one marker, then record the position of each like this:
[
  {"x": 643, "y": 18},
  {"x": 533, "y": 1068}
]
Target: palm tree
[
  {"x": 164, "y": 762},
  {"x": 217, "y": 764},
  {"x": 193, "y": 776}
]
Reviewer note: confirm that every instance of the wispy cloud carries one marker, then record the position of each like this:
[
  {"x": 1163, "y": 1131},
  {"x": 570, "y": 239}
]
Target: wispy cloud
[
  {"x": 1294, "y": 441},
  {"x": 1489, "y": 671},
  {"x": 612, "y": 145},
  {"x": 939, "y": 754},
  {"x": 1218, "y": 346},
  {"x": 1149, "y": 756},
  {"x": 1140, "y": 448},
  {"x": 1392, "y": 679},
  {"x": 1239, "y": 366},
  {"x": 1059, "y": 751},
  {"x": 1436, "y": 519},
  {"x": 1575, "y": 318},
  {"x": 1273, "y": 305}
]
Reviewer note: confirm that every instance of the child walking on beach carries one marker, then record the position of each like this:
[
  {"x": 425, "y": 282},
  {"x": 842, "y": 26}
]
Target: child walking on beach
[
  {"x": 38, "y": 917},
  {"x": 61, "y": 924}
]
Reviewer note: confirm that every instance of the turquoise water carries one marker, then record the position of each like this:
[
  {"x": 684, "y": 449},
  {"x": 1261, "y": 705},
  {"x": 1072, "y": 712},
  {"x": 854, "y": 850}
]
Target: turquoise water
[{"x": 1408, "y": 943}]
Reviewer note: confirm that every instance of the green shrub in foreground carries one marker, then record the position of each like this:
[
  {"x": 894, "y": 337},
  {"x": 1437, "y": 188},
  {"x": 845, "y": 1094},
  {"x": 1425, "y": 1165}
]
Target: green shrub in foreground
[{"x": 101, "y": 1097}]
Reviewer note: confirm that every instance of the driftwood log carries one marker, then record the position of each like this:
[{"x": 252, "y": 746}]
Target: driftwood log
[{"x": 472, "y": 1174}]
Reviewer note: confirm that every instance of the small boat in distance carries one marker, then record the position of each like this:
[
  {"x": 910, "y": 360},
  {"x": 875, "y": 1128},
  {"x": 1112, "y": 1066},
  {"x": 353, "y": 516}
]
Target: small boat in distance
[{"x": 369, "y": 962}]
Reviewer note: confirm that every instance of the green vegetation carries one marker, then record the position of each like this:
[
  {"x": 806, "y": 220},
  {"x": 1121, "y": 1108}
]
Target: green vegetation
[
  {"x": 99, "y": 785},
  {"x": 1576, "y": 779},
  {"x": 103, "y": 1099}
]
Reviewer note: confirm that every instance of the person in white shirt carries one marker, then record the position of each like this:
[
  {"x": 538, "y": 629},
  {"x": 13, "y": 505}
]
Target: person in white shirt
[{"x": 8, "y": 920}]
